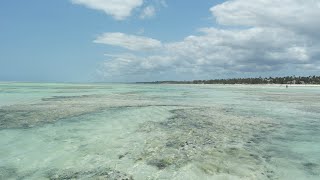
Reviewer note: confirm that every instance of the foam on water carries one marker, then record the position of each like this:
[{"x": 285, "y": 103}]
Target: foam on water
[{"x": 123, "y": 131}]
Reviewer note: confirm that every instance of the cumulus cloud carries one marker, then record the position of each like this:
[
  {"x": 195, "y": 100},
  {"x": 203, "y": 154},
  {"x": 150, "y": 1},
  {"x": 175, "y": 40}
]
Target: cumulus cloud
[
  {"x": 297, "y": 15},
  {"x": 130, "y": 42},
  {"x": 116, "y": 8},
  {"x": 121, "y": 9},
  {"x": 138, "y": 64},
  {"x": 148, "y": 12},
  {"x": 263, "y": 36}
]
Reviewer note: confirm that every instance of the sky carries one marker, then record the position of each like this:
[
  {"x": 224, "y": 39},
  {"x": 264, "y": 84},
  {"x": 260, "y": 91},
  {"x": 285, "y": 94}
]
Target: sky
[{"x": 150, "y": 40}]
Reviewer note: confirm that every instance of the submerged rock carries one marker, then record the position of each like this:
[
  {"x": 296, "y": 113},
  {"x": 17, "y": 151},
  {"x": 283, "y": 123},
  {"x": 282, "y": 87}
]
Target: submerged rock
[
  {"x": 312, "y": 168},
  {"x": 161, "y": 163},
  {"x": 122, "y": 155}
]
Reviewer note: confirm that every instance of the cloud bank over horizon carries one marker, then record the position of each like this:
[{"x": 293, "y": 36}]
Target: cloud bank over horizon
[{"x": 252, "y": 36}]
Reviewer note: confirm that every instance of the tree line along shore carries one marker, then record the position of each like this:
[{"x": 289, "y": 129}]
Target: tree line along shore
[{"x": 259, "y": 80}]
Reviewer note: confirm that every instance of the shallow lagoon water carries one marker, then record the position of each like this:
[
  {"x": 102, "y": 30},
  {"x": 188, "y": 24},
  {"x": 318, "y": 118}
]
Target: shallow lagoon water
[{"x": 133, "y": 131}]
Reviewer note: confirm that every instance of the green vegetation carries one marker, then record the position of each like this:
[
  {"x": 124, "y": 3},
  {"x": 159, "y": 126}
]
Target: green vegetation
[{"x": 260, "y": 80}]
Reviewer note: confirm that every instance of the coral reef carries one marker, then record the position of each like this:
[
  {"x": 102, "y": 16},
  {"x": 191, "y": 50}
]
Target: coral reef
[{"x": 216, "y": 141}]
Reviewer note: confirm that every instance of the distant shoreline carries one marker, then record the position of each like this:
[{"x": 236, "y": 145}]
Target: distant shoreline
[
  {"x": 266, "y": 85},
  {"x": 288, "y": 80}
]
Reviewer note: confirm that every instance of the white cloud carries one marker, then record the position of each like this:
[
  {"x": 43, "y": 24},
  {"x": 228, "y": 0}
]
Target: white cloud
[
  {"x": 297, "y": 15},
  {"x": 254, "y": 49},
  {"x": 121, "y": 9},
  {"x": 148, "y": 12},
  {"x": 274, "y": 36},
  {"x": 116, "y": 8},
  {"x": 130, "y": 42}
]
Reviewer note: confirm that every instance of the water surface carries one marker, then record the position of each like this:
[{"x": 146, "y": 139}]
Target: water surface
[{"x": 133, "y": 131}]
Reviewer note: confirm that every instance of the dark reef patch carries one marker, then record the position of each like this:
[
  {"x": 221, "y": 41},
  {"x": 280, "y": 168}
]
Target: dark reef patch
[
  {"x": 102, "y": 173},
  {"x": 312, "y": 168},
  {"x": 66, "y": 98},
  {"x": 52, "y": 109},
  {"x": 7, "y": 173},
  {"x": 47, "y": 111},
  {"x": 99, "y": 173},
  {"x": 161, "y": 163}
]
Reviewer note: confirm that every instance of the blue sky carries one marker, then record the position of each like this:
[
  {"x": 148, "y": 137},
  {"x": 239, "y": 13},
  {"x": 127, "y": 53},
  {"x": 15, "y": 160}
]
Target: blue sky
[{"x": 136, "y": 40}]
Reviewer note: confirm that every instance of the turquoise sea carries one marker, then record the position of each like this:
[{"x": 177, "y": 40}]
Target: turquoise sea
[{"x": 138, "y": 131}]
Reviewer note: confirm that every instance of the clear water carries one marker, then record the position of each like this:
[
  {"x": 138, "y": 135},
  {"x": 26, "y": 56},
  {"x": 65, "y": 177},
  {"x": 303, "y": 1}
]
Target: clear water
[{"x": 130, "y": 131}]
